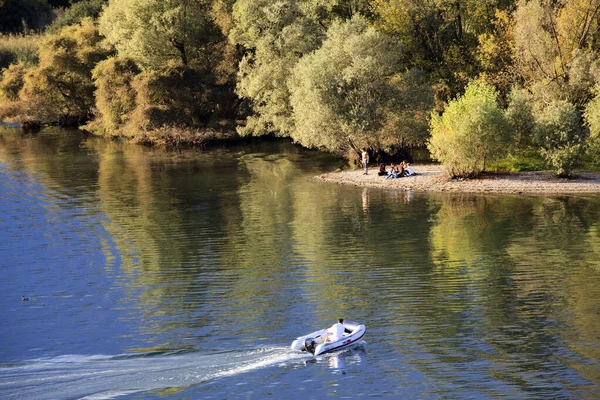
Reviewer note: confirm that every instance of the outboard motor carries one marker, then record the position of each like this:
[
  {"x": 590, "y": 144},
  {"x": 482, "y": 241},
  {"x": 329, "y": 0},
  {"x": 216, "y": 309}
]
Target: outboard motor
[{"x": 309, "y": 345}]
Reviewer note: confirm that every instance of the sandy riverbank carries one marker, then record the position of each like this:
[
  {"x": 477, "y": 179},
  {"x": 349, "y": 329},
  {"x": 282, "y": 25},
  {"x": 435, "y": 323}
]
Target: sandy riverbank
[{"x": 430, "y": 178}]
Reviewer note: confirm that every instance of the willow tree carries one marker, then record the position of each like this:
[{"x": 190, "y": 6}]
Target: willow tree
[
  {"x": 179, "y": 50},
  {"x": 341, "y": 92},
  {"x": 156, "y": 33},
  {"x": 275, "y": 36}
]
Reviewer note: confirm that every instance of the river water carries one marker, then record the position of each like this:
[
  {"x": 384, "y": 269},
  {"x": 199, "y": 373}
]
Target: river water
[{"x": 162, "y": 274}]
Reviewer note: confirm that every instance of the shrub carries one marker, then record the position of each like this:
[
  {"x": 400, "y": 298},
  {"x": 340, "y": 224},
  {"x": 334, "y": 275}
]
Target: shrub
[
  {"x": 115, "y": 96},
  {"x": 471, "y": 132},
  {"x": 11, "y": 81},
  {"x": 560, "y": 135}
]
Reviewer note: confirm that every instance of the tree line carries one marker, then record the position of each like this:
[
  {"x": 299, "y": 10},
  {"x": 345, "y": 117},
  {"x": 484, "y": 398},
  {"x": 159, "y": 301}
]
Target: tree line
[{"x": 478, "y": 82}]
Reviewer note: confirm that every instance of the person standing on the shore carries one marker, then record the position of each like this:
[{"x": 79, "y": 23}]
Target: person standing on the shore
[{"x": 365, "y": 161}]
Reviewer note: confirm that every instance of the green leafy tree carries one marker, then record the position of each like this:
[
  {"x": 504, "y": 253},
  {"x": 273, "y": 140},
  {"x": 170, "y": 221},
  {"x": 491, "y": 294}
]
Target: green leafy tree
[
  {"x": 439, "y": 36},
  {"x": 471, "y": 132},
  {"x": 340, "y": 93},
  {"x": 406, "y": 120},
  {"x": 560, "y": 135},
  {"x": 276, "y": 35},
  {"x": 156, "y": 33}
]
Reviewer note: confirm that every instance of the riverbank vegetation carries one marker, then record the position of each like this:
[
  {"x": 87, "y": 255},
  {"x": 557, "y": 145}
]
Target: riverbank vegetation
[{"x": 511, "y": 84}]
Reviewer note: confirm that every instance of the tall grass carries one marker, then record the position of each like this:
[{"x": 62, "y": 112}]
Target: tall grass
[{"x": 16, "y": 47}]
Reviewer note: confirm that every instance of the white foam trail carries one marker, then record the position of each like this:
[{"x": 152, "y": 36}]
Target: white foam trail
[{"x": 105, "y": 377}]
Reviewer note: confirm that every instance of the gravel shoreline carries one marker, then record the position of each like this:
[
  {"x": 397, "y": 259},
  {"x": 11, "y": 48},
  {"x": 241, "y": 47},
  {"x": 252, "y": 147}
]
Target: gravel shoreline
[{"x": 430, "y": 178}]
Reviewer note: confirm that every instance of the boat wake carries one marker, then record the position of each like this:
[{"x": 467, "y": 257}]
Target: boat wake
[{"x": 106, "y": 377}]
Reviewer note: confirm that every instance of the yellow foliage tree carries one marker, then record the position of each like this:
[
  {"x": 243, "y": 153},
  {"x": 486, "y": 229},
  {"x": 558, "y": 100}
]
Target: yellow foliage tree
[{"x": 60, "y": 88}]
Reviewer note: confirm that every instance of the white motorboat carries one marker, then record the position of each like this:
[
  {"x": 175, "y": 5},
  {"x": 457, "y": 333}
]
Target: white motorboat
[{"x": 315, "y": 343}]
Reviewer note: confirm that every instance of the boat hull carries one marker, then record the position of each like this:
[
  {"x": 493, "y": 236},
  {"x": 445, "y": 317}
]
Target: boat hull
[{"x": 315, "y": 342}]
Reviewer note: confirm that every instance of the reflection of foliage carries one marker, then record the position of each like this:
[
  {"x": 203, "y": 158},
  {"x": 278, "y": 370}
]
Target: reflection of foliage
[{"x": 467, "y": 227}]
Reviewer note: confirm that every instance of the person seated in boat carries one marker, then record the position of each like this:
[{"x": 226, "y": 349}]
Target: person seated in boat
[
  {"x": 336, "y": 331},
  {"x": 382, "y": 171}
]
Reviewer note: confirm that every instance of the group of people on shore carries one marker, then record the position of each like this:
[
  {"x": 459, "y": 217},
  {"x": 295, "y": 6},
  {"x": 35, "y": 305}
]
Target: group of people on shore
[{"x": 396, "y": 170}]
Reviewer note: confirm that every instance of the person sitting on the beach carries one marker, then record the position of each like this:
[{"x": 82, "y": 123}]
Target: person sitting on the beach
[
  {"x": 396, "y": 172},
  {"x": 382, "y": 171},
  {"x": 407, "y": 169}
]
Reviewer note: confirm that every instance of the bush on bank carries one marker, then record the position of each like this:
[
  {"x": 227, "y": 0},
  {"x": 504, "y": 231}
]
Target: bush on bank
[
  {"x": 560, "y": 135},
  {"x": 472, "y": 132}
]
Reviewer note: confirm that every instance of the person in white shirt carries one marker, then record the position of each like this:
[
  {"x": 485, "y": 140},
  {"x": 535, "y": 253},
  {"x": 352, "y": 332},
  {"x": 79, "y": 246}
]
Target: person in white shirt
[
  {"x": 336, "y": 331},
  {"x": 365, "y": 161}
]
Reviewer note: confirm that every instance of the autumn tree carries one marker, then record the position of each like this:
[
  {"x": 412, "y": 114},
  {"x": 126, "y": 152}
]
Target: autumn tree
[
  {"x": 439, "y": 36},
  {"x": 495, "y": 54},
  {"x": 60, "y": 88},
  {"x": 556, "y": 48}
]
